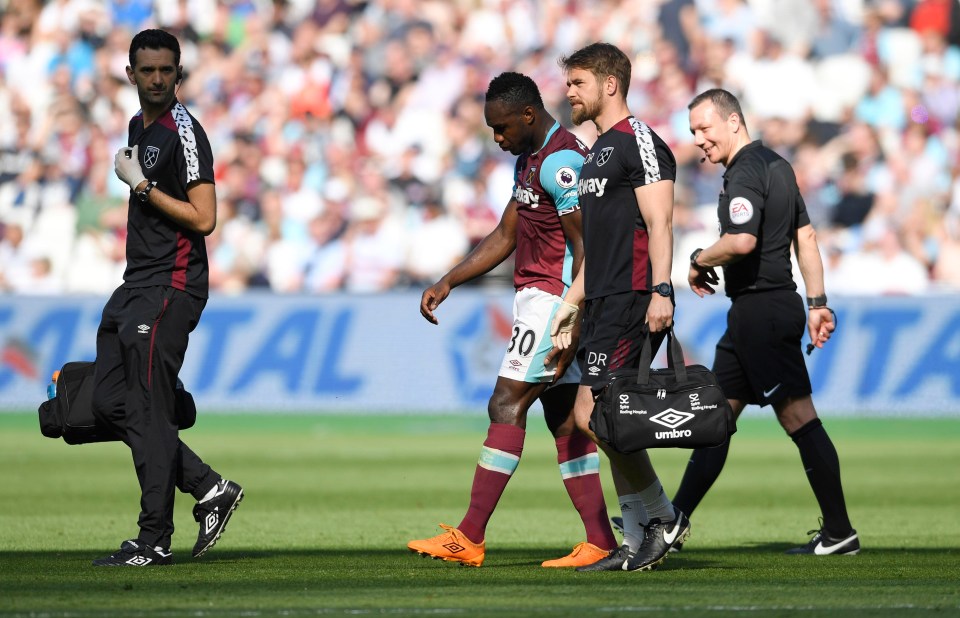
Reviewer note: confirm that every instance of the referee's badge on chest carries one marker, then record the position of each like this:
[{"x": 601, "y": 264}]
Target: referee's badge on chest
[{"x": 150, "y": 156}]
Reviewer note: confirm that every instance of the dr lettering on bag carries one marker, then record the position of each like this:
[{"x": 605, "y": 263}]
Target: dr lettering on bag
[{"x": 678, "y": 407}]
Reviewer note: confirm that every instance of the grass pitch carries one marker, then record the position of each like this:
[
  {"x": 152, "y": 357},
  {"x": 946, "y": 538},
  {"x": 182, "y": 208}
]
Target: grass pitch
[{"x": 331, "y": 502}]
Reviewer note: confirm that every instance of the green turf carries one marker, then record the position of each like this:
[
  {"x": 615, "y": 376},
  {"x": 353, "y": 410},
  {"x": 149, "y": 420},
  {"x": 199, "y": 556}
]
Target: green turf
[{"x": 331, "y": 502}]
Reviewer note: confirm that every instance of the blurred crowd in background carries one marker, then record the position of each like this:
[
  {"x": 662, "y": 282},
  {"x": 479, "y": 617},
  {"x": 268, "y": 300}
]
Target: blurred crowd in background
[{"x": 351, "y": 151}]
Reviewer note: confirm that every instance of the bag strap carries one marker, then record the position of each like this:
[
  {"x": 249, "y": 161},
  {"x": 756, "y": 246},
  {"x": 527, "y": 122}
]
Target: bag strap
[{"x": 674, "y": 358}]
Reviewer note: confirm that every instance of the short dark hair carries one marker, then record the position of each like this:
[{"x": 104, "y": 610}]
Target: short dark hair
[
  {"x": 514, "y": 89},
  {"x": 154, "y": 39},
  {"x": 601, "y": 59},
  {"x": 722, "y": 100}
]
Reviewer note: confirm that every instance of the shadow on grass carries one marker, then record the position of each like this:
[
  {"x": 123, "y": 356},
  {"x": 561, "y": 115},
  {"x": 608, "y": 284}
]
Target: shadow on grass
[
  {"x": 505, "y": 558},
  {"x": 311, "y": 581}
]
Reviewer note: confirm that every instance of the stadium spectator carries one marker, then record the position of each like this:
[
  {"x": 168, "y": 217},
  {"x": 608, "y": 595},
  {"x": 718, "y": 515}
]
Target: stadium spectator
[
  {"x": 14, "y": 257},
  {"x": 946, "y": 267},
  {"x": 856, "y": 201},
  {"x": 293, "y": 85},
  {"x": 758, "y": 359},
  {"x": 40, "y": 280},
  {"x": 883, "y": 266},
  {"x": 542, "y": 225},
  {"x": 833, "y": 34},
  {"x": 325, "y": 268},
  {"x": 437, "y": 243}
]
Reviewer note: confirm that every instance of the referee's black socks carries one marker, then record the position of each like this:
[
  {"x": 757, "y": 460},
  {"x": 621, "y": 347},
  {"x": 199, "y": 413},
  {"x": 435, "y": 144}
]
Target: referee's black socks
[
  {"x": 822, "y": 465},
  {"x": 702, "y": 470}
]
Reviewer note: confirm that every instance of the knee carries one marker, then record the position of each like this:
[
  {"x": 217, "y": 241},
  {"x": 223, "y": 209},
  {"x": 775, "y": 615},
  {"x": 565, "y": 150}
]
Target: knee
[
  {"x": 566, "y": 428},
  {"x": 795, "y": 413},
  {"x": 583, "y": 424},
  {"x": 502, "y": 409}
]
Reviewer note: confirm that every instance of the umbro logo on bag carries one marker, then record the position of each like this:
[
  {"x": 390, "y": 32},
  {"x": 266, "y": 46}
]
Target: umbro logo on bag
[{"x": 671, "y": 418}]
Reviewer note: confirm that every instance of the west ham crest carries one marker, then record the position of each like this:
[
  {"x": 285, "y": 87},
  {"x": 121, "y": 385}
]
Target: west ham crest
[
  {"x": 604, "y": 155},
  {"x": 530, "y": 176},
  {"x": 150, "y": 156}
]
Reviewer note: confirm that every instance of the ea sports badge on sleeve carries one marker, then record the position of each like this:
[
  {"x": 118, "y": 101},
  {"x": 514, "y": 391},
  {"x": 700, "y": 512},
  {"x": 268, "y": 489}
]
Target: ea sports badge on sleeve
[{"x": 741, "y": 210}]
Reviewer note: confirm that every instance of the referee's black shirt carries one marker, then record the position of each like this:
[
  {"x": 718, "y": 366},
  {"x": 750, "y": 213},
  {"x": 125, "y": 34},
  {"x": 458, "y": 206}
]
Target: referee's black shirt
[
  {"x": 760, "y": 197},
  {"x": 174, "y": 152}
]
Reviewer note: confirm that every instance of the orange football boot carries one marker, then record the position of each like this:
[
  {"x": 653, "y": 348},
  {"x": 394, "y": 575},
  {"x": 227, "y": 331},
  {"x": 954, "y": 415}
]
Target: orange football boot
[
  {"x": 452, "y": 546},
  {"x": 582, "y": 555}
]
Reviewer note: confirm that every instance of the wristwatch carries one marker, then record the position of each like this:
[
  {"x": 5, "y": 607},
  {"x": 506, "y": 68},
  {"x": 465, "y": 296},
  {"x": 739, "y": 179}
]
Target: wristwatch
[
  {"x": 816, "y": 302},
  {"x": 693, "y": 258},
  {"x": 663, "y": 289},
  {"x": 144, "y": 193}
]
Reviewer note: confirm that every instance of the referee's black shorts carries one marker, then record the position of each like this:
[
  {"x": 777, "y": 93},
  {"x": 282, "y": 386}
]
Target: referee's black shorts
[
  {"x": 612, "y": 334},
  {"x": 759, "y": 359}
]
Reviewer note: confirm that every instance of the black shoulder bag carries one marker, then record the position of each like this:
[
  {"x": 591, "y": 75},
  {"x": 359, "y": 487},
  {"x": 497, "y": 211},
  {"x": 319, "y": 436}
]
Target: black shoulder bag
[
  {"x": 680, "y": 407},
  {"x": 70, "y": 416}
]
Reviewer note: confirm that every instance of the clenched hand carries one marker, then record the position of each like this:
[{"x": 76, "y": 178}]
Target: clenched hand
[{"x": 127, "y": 165}]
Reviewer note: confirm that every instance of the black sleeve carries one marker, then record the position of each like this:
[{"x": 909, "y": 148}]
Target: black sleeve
[
  {"x": 745, "y": 199},
  {"x": 803, "y": 218}
]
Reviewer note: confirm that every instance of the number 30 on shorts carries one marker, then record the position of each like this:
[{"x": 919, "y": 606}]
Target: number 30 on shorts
[{"x": 527, "y": 340}]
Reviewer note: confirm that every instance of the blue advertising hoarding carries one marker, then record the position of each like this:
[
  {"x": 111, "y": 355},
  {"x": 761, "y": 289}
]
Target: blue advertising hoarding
[{"x": 889, "y": 356}]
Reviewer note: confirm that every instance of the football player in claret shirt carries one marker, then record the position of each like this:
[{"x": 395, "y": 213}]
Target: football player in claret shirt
[
  {"x": 541, "y": 226},
  {"x": 146, "y": 323}
]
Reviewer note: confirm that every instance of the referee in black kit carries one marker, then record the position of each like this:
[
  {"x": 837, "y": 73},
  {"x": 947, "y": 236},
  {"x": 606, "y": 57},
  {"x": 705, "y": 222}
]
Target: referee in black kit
[
  {"x": 145, "y": 326},
  {"x": 759, "y": 358}
]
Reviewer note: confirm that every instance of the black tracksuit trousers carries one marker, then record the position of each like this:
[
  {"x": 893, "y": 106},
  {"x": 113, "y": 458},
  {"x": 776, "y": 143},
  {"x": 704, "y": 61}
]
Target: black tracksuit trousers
[{"x": 141, "y": 343}]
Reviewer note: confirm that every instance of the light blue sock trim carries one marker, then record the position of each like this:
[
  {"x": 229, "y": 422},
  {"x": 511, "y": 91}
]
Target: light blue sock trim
[
  {"x": 496, "y": 460},
  {"x": 581, "y": 466}
]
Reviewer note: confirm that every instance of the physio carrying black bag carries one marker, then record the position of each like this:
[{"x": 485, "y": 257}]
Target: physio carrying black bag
[
  {"x": 69, "y": 415},
  {"x": 680, "y": 407}
]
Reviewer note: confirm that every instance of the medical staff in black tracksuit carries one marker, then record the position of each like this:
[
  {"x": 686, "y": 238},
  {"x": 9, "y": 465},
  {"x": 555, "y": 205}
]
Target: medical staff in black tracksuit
[{"x": 146, "y": 324}]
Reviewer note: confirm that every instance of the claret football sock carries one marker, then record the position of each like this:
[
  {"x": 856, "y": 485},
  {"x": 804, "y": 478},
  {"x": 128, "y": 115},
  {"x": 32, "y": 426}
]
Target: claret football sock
[
  {"x": 499, "y": 459},
  {"x": 580, "y": 470}
]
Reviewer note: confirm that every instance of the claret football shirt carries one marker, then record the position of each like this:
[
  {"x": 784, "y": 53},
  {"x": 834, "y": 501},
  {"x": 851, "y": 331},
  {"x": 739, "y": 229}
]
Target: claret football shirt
[{"x": 545, "y": 189}]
